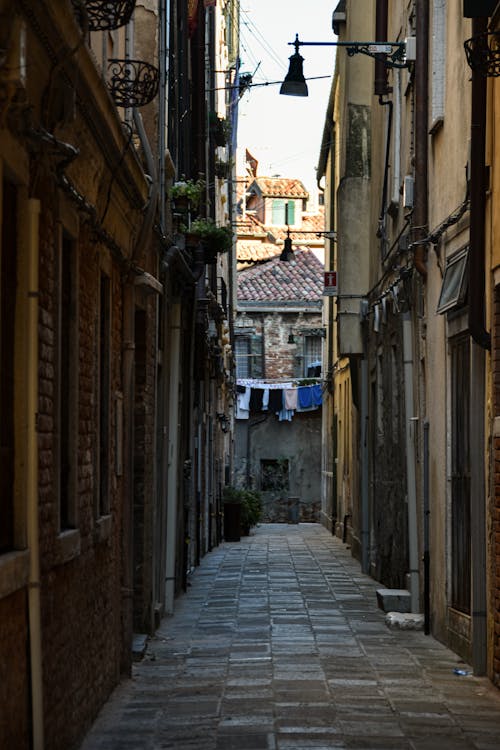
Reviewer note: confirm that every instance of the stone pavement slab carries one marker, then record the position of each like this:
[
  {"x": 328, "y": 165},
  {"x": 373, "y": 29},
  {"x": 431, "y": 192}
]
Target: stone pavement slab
[{"x": 279, "y": 644}]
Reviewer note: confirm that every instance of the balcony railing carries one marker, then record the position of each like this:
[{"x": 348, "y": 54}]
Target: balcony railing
[
  {"x": 132, "y": 83},
  {"x": 483, "y": 53},
  {"x": 104, "y": 14}
]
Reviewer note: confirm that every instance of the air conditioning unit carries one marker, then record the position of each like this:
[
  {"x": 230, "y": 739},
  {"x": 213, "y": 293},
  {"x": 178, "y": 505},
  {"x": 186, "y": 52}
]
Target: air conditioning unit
[{"x": 411, "y": 48}]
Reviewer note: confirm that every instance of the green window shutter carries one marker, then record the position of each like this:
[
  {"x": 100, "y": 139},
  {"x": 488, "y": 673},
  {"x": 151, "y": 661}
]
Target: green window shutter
[
  {"x": 291, "y": 212},
  {"x": 278, "y": 216}
]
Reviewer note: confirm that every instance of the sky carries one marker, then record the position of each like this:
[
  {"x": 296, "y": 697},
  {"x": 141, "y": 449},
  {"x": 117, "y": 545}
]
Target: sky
[{"x": 284, "y": 132}]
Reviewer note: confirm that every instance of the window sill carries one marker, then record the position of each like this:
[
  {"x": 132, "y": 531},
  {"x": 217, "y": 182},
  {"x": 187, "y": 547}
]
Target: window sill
[
  {"x": 68, "y": 546},
  {"x": 436, "y": 125},
  {"x": 14, "y": 570},
  {"x": 103, "y": 528}
]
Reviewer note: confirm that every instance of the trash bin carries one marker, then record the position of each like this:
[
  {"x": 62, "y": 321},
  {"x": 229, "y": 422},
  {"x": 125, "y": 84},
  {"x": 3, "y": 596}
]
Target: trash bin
[
  {"x": 232, "y": 522},
  {"x": 293, "y": 510}
]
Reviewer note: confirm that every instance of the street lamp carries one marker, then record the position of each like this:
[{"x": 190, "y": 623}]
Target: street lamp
[{"x": 391, "y": 54}]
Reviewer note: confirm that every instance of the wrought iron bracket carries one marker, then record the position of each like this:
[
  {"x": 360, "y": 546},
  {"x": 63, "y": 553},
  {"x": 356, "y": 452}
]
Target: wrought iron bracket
[{"x": 391, "y": 54}]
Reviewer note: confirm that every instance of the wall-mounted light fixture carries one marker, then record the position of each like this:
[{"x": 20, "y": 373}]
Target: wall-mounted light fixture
[
  {"x": 223, "y": 421},
  {"x": 391, "y": 54}
]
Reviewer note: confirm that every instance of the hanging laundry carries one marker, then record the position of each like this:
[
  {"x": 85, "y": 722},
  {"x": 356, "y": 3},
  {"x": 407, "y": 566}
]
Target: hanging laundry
[
  {"x": 256, "y": 396},
  {"x": 265, "y": 399},
  {"x": 275, "y": 400},
  {"x": 317, "y": 394},
  {"x": 291, "y": 398},
  {"x": 243, "y": 404},
  {"x": 304, "y": 397}
]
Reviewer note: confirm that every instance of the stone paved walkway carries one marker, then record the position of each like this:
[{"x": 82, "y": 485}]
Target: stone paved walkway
[{"x": 279, "y": 645}]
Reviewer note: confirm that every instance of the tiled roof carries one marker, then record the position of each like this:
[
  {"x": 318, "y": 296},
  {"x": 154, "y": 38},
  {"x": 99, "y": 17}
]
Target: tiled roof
[
  {"x": 277, "y": 281},
  {"x": 280, "y": 187},
  {"x": 257, "y": 251},
  {"x": 249, "y": 224},
  {"x": 310, "y": 223}
]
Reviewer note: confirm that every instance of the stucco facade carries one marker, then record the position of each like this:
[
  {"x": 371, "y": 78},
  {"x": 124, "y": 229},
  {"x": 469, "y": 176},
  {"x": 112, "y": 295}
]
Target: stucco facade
[{"x": 421, "y": 418}]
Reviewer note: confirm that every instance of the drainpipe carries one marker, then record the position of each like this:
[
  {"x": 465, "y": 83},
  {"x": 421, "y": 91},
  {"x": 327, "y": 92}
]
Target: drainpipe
[
  {"x": 420, "y": 213},
  {"x": 410, "y": 461},
  {"x": 33, "y": 530},
  {"x": 477, "y": 202}
]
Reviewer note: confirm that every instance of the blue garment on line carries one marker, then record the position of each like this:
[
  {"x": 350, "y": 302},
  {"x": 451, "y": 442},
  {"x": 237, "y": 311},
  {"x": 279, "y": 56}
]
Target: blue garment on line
[
  {"x": 317, "y": 394},
  {"x": 304, "y": 397}
]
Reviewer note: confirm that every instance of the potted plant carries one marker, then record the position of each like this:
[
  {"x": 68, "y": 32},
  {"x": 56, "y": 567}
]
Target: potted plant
[
  {"x": 222, "y": 168},
  {"x": 251, "y": 510},
  {"x": 220, "y": 129},
  {"x": 242, "y": 510},
  {"x": 215, "y": 239},
  {"x": 186, "y": 194}
]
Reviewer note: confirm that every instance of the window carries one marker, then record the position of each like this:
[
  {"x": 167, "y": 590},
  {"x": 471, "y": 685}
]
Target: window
[
  {"x": 460, "y": 474},
  {"x": 274, "y": 475},
  {"x": 283, "y": 212},
  {"x": 104, "y": 392},
  {"x": 8, "y": 285},
  {"x": 312, "y": 356},
  {"x": 454, "y": 286},
  {"x": 242, "y": 346},
  {"x": 68, "y": 385}
]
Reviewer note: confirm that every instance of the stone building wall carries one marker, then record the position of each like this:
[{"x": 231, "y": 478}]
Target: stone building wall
[{"x": 82, "y": 555}]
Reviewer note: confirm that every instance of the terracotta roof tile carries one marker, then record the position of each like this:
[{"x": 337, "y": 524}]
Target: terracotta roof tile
[
  {"x": 257, "y": 251},
  {"x": 276, "y": 281},
  {"x": 280, "y": 187}
]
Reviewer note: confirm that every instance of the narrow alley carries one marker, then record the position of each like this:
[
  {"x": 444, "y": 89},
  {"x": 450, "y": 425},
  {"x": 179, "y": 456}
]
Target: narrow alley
[{"x": 279, "y": 645}]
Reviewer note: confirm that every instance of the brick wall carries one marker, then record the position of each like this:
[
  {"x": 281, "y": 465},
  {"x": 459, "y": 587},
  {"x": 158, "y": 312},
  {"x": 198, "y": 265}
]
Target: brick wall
[
  {"x": 81, "y": 596},
  {"x": 270, "y": 333},
  {"x": 14, "y": 684}
]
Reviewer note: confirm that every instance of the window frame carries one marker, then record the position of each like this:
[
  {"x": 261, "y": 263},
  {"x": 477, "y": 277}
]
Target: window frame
[
  {"x": 447, "y": 302},
  {"x": 67, "y": 383}
]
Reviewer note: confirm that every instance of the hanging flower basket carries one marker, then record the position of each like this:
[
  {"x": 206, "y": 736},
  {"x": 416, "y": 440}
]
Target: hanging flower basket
[
  {"x": 214, "y": 239},
  {"x": 220, "y": 129},
  {"x": 222, "y": 169},
  {"x": 186, "y": 194}
]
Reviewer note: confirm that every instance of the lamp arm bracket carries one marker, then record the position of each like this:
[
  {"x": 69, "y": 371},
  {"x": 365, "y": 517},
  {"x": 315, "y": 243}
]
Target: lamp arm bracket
[{"x": 391, "y": 54}]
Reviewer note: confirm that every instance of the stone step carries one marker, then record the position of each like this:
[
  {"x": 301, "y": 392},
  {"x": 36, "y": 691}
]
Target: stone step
[{"x": 394, "y": 600}]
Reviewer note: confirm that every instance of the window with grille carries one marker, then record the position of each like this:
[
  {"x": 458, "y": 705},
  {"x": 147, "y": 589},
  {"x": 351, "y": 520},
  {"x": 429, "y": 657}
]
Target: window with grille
[
  {"x": 312, "y": 356},
  {"x": 242, "y": 350}
]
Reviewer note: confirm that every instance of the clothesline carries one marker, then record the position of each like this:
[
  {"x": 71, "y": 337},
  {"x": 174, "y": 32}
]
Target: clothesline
[
  {"x": 282, "y": 399},
  {"x": 275, "y": 382}
]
